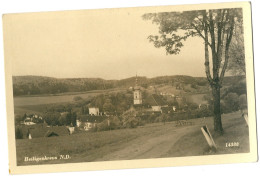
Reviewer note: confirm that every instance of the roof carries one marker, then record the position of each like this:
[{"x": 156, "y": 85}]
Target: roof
[
  {"x": 88, "y": 118},
  {"x": 46, "y": 131},
  {"x": 155, "y": 100},
  {"x": 42, "y": 130}
]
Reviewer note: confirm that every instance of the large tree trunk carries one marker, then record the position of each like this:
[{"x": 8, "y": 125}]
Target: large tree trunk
[{"x": 217, "y": 114}]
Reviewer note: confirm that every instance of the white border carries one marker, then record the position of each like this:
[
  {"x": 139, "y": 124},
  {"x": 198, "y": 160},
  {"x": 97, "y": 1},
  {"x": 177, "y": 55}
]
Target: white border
[{"x": 13, "y": 6}]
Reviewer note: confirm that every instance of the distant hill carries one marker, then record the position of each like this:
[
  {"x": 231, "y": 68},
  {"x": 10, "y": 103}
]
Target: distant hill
[{"x": 37, "y": 85}]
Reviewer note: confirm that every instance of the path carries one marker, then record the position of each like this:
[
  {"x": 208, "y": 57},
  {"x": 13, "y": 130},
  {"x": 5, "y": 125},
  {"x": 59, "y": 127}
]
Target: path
[{"x": 155, "y": 145}]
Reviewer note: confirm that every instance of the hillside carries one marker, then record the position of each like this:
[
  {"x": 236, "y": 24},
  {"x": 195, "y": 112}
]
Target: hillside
[
  {"x": 162, "y": 140},
  {"x": 39, "y": 85}
]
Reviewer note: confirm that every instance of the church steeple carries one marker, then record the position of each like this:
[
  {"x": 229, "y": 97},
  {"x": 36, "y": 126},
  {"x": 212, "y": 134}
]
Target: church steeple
[
  {"x": 136, "y": 80},
  {"x": 136, "y": 83},
  {"x": 137, "y": 93}
]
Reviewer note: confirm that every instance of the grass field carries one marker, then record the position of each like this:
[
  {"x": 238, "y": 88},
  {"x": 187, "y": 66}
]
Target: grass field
[
  {"x": 58, "y": 98},
  {"x": 38, "y": 104},
  {"x": 198, "y": 99},
  {"x": 150, "y": 141}
]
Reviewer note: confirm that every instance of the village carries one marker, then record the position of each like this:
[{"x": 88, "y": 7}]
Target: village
[{"x": 142, "y": 108}]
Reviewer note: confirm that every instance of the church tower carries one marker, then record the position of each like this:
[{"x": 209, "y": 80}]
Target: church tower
[{"x": 137, "y": 94}]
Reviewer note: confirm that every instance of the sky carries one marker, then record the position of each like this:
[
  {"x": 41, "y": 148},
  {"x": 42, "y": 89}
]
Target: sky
[{"x": 108, "y": 44}]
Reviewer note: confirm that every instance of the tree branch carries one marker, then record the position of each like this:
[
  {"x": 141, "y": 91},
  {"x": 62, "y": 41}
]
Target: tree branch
[
  {"x": 212, "y": 32},
  {"x": 220, "y": 38},
  {"x": 207, "y": 68},
  {"x": 228, "y": 41},
  {"x": 200, "y": 34}
]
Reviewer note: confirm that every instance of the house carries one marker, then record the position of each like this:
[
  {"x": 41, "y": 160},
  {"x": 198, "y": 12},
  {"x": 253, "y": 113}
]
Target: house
[
  {"x": 71, "y": 129},
  {"x": 87, "y": 122},
  {"x": 78, "y": 123},
  {"x": 94, "y": 111},
  {"x": 42, "y": 130},
  {"x": 156, "y": 102},
  {"x": 28, "y": 121}
]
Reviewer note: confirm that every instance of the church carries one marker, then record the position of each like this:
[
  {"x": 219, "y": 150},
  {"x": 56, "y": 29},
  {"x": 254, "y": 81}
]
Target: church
[{"x": 137, "y": 94}]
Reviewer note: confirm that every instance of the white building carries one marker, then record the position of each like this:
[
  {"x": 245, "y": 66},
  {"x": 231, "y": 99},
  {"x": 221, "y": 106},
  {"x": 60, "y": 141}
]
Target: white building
[
  {"x": 28, "y": 121},
  {"x": 137, "y": 94},
  {"x": 94, "y": 111},
  {"x": 71, "y": 129},
  {"x": 156, "y": 108},
  {"x": 78, "y": 123},
  {"x": 156, "y": 102}
]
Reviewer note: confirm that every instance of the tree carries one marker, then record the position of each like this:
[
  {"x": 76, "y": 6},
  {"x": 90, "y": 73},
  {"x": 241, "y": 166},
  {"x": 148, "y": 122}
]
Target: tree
[
  {"x": 62, "y": 120},
  {"x": 108, "y": 106},
  {"x": 242, "y": 102},
  {"x": 237, "y": 52},
  {"x": 52, "y": 118},
  {"x": 18, "y": 133},
  {"x": 74, "y": 119},
  {"x": 232, "y": 101},
  {"x": 162, "y": 118},
  {"x": 18, "y": 119},
  {"x": 69, "y": 118},
  {"x": 215, "y": 27}
]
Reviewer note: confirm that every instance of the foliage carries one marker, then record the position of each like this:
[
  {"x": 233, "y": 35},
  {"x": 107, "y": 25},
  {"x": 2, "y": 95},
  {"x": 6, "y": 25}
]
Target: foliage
[
  {"x": 131, "y": 122},
  {"x": 231, "y": 102},
  {"x": 107, "y": 106},
  {"x": 18, "y": 133},
  {"x": 162, "y": 118},
  {"x": 237, "y": 52},
  {"x": 71, "y": 118},
  {"x": 130, "y": 119},
  {"x": 242, "y": 101},
  {"x": 52, "y": 118},
  {"x": 111, "y": 123},
  {"x": 238, "y": 87},
  {"x": 215, "y": 27},
  {"x": 115, "y": 102},
  {"x": 19, "y": 118}
]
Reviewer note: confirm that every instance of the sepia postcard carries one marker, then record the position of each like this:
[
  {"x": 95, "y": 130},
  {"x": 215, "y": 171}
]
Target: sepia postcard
[{"x": 130, "y": 88}]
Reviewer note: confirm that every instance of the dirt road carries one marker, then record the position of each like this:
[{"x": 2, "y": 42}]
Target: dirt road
[{"x": 157, "y": 145}]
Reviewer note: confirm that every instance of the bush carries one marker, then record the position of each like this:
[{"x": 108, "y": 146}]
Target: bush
[
  {"x": 18, "y": 133},
  {"x": 115, "y": 123},
  {"x": 18, "y": 119},
  {"x": 103, "y": 126},
  {"x": 242, "y": 101},
  {"x": 131, "y": 121},
  {"x": 52, "y": 118},
  {"x": 109, "y": 124},
  {"x": 231, "y": 102},
  {"x": 162, "y": 118}
]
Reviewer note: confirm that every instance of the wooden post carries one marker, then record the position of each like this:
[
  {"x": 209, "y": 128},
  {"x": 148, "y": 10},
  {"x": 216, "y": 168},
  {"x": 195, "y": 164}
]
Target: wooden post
[
  {"x": 245, "y": 117},
  {"x": 208, "y": 136}
]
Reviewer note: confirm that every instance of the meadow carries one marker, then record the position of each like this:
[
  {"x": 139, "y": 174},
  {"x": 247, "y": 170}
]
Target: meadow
[
  {"x": 38, "y": 103},
  {"x": 58, "y": 98},
  {"x": 156, "y": 140}
]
